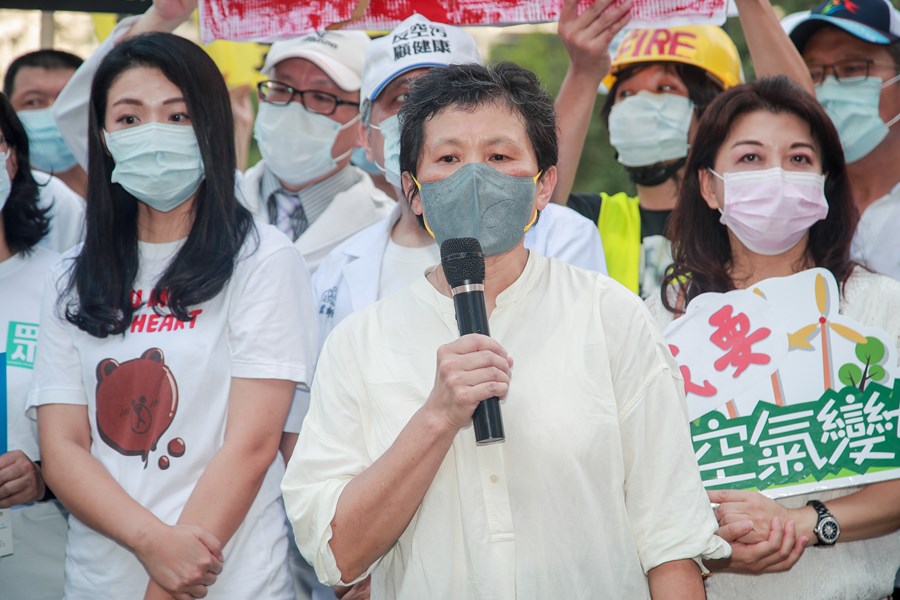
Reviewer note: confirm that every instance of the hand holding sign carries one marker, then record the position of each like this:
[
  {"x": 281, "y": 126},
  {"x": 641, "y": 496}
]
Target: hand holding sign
[{"x": 587, "y": 36}]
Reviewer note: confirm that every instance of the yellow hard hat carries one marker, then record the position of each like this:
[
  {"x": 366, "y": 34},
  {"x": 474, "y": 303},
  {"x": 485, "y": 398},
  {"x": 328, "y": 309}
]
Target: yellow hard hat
[{"x": 705, "y": 46}]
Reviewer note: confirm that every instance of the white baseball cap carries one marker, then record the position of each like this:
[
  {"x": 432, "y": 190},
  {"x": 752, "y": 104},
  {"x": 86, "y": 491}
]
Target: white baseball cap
[
  {"x": 413, "y": 44},
  {"x": 341, "y": 54}
]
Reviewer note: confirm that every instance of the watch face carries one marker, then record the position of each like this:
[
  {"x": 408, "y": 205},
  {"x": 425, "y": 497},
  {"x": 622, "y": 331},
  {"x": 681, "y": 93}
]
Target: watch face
[{"x": 828, "y": 530}]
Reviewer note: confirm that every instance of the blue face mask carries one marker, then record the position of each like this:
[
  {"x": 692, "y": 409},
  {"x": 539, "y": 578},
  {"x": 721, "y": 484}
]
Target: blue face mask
[
  {"x": 390, "y": 131},
  {"x": 157, "y": 163},
  {"x": 646, "y": 129},
  {"x": 47, "y": 150},
  {"x": 480, "y": 202},
  {"x": 359, "y": 159},
  {"x": 853, "y": 109}
]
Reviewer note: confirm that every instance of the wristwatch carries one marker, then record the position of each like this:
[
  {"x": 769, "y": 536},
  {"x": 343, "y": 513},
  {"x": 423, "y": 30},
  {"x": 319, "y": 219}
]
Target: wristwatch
[{"x": 827, "y": 528}]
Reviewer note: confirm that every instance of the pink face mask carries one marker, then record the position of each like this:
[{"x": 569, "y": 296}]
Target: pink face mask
[{"x": 770, "y": 211}]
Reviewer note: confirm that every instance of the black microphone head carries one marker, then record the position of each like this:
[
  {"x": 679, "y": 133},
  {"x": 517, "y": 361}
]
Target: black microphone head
[{"x": 462, "y": 260}]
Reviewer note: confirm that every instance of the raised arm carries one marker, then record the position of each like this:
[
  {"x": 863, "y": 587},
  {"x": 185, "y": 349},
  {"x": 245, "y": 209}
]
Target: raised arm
[
  {"x": 771, "y": 49},
  {"x": 587, "y": 37}
]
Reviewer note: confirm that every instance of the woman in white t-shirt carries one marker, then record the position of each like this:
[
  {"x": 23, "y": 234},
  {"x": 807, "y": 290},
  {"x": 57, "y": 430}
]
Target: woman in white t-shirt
[
  {"x": 766, "y": 194},
  {"x": 174, "y": 339},
  {"x": 36, "y": 523}
]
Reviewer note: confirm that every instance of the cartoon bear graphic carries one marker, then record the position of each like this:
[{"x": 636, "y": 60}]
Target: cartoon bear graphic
[{"x": 136, "y": 402}]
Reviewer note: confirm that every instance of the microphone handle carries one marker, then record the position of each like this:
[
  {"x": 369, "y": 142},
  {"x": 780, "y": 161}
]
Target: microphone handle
[{"x": 471, "y": 317}]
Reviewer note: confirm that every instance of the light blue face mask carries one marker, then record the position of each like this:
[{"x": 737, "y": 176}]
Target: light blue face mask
[
  {"x": 853, "y": 108},
  {"x": 5, "y": 183},
  {"x": 480, "y": 202},
  {"x": 296, "y": 143},
  {"x": 46, "y": 149},
  {"x": 359, "y": 159},
  {"x": 157, "y": 163},
  {"x": 646, "y": 129},
  {"x": 390, "y": 131}
]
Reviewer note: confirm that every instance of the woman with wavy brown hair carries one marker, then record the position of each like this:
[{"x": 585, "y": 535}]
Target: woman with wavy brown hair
[{"x": 766, "y": 195}]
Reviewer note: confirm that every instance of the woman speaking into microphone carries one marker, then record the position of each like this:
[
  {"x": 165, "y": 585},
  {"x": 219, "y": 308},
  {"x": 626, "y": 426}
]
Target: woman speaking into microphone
[{"x": 595, "y": 490}]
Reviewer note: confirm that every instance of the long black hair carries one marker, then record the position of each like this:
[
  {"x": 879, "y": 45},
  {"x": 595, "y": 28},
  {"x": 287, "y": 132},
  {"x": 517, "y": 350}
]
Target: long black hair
[
  {"x": 701, "y": 249},
  {"x": 104, "y": 271},
  {"x": 25, "y": 223}
]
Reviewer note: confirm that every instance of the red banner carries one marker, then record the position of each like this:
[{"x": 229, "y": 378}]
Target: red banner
[{"x": 277, "y": 19}]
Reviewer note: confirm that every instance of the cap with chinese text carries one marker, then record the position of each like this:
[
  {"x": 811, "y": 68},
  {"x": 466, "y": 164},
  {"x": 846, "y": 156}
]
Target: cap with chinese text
[{"x": 413, "y": 44}]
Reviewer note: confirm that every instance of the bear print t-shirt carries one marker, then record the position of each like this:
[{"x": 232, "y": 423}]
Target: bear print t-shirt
[{"x": 157, "y": 400}]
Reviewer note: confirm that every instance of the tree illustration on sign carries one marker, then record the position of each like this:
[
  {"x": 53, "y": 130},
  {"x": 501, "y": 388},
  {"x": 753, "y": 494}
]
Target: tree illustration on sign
[{"x": 871, "y": 354}]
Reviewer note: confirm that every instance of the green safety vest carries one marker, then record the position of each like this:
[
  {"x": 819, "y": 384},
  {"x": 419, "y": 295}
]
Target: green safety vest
[{"x": 620, "y": 232}]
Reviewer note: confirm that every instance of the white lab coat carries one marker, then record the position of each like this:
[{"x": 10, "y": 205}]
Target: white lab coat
[
  {"x": 348, "y": 279},
  {"x": 349, "y": 212}
]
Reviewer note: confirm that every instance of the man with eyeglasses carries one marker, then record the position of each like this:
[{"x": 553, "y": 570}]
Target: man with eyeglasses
[
  {"x": 852, "y": 50},
  {"x": 306, "y": 129}
]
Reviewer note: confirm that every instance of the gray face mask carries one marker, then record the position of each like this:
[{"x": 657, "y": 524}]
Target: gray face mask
[{"x": 480, "y": 202}]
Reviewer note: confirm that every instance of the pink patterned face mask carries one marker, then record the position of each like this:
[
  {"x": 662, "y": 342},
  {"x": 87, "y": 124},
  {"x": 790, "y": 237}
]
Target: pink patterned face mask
[{"x": 770, "y": 211}]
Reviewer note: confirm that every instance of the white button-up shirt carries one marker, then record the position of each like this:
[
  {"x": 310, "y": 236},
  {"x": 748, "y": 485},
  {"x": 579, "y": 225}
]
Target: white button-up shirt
[{"x": 595, "y": 484}]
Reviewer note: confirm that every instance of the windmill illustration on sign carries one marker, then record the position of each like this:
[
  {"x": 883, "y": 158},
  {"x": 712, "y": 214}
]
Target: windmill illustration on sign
[{"x": 823, "y": 327}]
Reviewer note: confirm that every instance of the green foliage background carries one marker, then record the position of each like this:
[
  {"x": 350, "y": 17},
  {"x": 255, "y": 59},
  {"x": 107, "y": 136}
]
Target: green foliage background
[{"x": 545, "y": 55}]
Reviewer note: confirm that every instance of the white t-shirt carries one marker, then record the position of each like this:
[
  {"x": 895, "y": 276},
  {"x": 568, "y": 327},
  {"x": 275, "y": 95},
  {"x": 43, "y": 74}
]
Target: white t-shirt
[
  {"x": 403, "y": 264},
  {"x": 157, "y": 400},
  {"x": 861, "y": 570},
  {"x": 876, "y": 243},
  {"x": 595, "y": 484},
  {"x": 22, "y": 278},
  {"x": 34, "y": 570}
]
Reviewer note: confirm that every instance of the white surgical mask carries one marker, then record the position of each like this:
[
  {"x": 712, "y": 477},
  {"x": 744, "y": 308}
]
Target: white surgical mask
[
  {"x": 770, "y": 211},
  {"x": 5, "y": 183},
  {"x": 646, "y": 129},
  {"x": 390, "y": 131},
  {"x": 853, "y": 108},
  {"x": 157, "y": 163},
  {"x": 296, "y": 143}
]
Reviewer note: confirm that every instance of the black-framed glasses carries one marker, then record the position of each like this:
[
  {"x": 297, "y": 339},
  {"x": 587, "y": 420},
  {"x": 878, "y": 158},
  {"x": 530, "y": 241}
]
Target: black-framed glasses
[
  {"x": 281, "y": 94},
  {"x": 847, "y": 72}
]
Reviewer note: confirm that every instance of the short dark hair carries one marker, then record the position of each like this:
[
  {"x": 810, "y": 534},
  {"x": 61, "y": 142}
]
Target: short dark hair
[
  {"x": 24, "y": 222},
  {"x": 40, "y": 59},
  {"x": 701, "y": 249},
  {"x": 470, "y": 86},
  {"x": 105, "y": 270}
]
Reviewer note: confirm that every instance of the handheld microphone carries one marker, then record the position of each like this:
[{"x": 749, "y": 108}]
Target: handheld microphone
[{"x": 463, "y": 264}]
